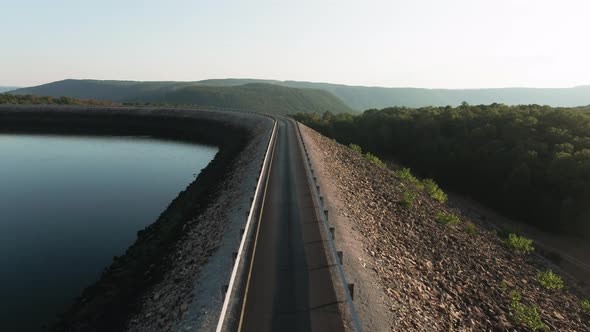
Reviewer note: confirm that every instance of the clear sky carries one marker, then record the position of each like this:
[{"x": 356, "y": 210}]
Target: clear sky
[{"x": 418, "y": 43}]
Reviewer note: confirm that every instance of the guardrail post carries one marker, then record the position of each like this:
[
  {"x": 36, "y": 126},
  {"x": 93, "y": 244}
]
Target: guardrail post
[
  {"x": 351, "y": 291},
  {"x": 326, "y": 213},
  {"x": 339, "y": 254},
  {"x": 234, "y": 255},
  {"x": 224, "y": 290}
]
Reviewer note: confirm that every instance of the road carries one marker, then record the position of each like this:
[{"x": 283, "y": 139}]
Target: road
[{"x": 289, "y": 285}]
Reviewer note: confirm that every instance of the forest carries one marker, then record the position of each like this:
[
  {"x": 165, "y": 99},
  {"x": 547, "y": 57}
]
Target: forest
[
  {"x": 530, "y": 162},
  {"x": 7, "y": 98}
]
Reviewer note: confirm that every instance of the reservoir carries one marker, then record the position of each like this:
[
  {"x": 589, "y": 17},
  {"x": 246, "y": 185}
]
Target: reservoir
[{"x": 68, "y": 204}]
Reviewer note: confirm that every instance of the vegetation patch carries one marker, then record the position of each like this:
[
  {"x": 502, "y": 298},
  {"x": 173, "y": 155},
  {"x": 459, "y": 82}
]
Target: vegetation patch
[
  {"x": 408, "y": 198},
  {"x": 355, "y": 148},
  {"x": 585, "y": 306},
  {"x": 374, "y": 159},
  {"x": 470, "y": 228},
  {"x": 434, "y": 191},
  {"x": 447, "y": 218},
  {"x": 519, "y": 244},
  {"x": 405, "y": 175},
  {"x": 526, "y": 315},
  {"x": 10, "y": 99},
  {"x": 506, "y": 230},
  {"x": 550, "y": 280}
]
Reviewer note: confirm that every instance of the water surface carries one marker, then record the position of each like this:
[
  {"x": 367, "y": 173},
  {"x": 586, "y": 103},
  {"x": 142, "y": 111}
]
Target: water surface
[{"x": 68, "y": 204}]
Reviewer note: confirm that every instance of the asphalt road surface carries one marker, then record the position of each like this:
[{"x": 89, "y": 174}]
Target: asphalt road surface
[{"x": 289, "y": 285}]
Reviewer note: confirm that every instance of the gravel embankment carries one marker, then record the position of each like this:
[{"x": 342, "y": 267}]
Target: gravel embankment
[
  {"x": 173, "y": 304},
  {"x": 415, "y": 274}
]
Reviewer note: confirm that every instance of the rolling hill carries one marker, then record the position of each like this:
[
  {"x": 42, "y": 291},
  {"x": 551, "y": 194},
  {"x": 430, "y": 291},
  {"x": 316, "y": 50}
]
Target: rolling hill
[
  {"x": 361, "y": 98},
  {"x": 265, "y": 95},
  {"x": 261, "y": 97}
]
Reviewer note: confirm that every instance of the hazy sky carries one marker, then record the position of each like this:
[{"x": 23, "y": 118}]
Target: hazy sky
[{"x": 419, "y": 43}]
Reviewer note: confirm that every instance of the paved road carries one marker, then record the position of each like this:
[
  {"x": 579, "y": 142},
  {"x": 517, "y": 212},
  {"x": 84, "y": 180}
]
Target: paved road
[{"x": 289, "y": 287}]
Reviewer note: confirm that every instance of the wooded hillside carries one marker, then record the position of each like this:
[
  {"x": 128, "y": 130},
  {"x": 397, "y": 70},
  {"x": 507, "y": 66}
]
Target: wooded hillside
[{"x": 531, "y": 162}]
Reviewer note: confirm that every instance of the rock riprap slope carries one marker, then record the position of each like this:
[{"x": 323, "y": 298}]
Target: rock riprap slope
[{"x": 413, "y": 272}]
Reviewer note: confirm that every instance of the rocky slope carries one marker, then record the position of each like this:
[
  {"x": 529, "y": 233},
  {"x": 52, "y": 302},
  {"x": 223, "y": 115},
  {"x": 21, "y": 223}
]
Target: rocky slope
[
  {"x": 166, "y": 306},
  {"x": 413, "y": 273}
]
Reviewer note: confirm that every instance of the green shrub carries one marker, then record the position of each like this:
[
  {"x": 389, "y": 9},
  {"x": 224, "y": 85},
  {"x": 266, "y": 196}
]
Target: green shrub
[
  {"x": 550, "y": 280},
  {"x": 434, "y": 191},
  {"x": 447, "y": 218},
  {"x": 405, "y": 174},
  {"x": 408, "y": 199},
  {"x": 470, "y": 228},
  {"x": 585, "y": 306},
  {"x": 519, "y": 243},
  {"x": 515, "y": 296},
  {"x": 355, "y": 148},
  {"x": 522, "y": 314},
  {"x": 371, "y": 157},
  {"x": 507, "y": 229}
]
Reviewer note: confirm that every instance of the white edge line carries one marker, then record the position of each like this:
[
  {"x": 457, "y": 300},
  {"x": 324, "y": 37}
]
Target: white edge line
[{"x": 234, "y": 273}]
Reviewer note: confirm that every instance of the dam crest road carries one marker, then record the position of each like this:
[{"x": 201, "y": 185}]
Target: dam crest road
[{"x": 289, "y": 283}]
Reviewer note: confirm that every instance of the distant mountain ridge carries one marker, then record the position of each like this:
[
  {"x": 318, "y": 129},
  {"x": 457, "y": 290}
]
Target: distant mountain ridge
[
  {"x": 338, "y": 97},
  {"x": 7, "y": 88},
  {"x": 362, "y": 98},
  {"x": 261, "y": 97}
]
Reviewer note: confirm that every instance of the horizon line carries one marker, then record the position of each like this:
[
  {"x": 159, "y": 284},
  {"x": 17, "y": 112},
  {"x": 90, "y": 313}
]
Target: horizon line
[{"x": 270, "y": 80}]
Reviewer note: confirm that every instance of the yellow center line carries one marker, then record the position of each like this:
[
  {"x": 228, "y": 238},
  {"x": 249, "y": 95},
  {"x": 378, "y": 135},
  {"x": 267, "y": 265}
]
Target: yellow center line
[{"x": 257, "y": 232}]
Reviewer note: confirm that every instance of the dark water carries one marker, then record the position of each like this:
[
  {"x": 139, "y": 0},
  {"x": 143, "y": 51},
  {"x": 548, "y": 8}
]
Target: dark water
[{"x": 69, "y": 204}]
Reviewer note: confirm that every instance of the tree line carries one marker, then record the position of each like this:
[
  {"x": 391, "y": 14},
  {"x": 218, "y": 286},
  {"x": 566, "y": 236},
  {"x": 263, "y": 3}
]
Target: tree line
[
  {"x": 530, "y": 162},
  {"x": 10, "y": 99}
]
